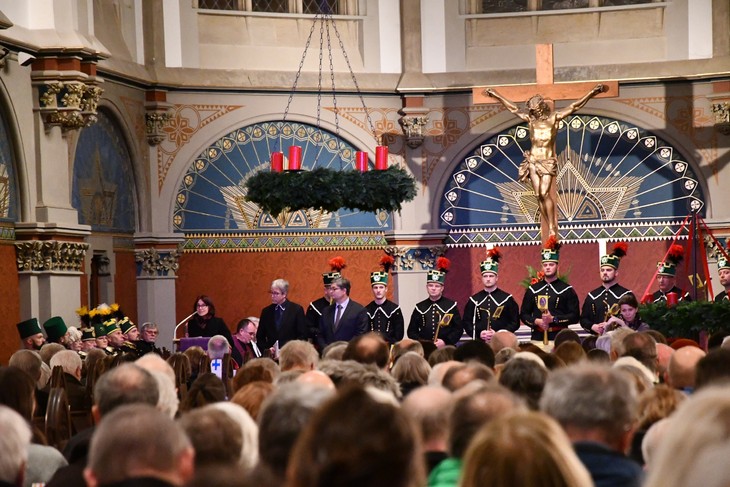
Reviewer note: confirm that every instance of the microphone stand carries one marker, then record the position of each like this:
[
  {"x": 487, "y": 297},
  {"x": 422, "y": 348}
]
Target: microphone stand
[{"x": 185, "y": 322}]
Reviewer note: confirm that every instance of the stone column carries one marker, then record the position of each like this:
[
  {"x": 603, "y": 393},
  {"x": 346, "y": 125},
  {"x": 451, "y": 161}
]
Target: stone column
[
  {"x": 157, "y": 259},
  {"x": 415, "y": 254}
]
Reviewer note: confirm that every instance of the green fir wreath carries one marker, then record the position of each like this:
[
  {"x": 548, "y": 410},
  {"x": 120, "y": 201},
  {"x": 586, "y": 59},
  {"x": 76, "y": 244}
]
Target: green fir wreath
[{"x": 331, "y": 190}]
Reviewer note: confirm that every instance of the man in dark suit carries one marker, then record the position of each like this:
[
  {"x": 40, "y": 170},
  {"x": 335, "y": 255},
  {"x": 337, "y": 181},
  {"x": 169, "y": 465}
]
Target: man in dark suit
[
  {"x": 280, "y": 321},
  {"x": 245, "y": 347},
  {"x": 344, "y": 319}
]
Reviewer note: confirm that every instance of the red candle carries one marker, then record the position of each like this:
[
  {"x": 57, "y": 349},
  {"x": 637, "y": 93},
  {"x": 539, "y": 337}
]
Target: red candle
[
  {"x": 277, "y": 161},
  {"x": 672, "y": 299},
  {"x": 648, "y": 298},
  {"x": 295, "y": 158},
  {"x": 361, "y": 161},
  {"x": 381, "y": 157}
]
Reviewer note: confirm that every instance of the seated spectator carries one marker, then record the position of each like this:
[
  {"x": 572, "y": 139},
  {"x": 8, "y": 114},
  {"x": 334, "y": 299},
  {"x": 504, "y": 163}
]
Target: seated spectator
[
  {"x": 206, "y": 389},
  {"x": 598, "y": 356},
  {"x": 695, "y": 449},
  {"x": 642, "y": 347},
  {"x": 713, "y": 369},
  {"x": 569, "y": 351},
  {"x": 354, "y": 440},
  {"x": 284, "y": 415},
  {"x": 195, "y": 356},
  {"x": 71, "y": 364},
  {"x": 476, "y": 405},
  {"x": 251, "y": 396},
  {"x": 436, "y": 377},
  {"x": 596, "y": 406},
  {"x": 316, "y": 378},
  {"x": 475, "y": 350},
  {"x": 526, "y": 448},
  {"x": 566, "y": 335},
  {"x": 655, "y": 404},
  {"x": 218, "y": 347},
  {"x": 459, "y": 376},
  {"x": 348, "y": 372},
  {"x": 17, "y": 391},
  {"x": 139, "y": 445},
  {"x": 215, "y": 436},
  {"x": 504, "y": 339},
  {"x": 298, "y": 355},
  {"x": 14, "y": 442},
  {"x": 334, "y": 351},
  {"x": 411, "y": 371},
  {"x": 162, "y": 371},
  {"x": 430, "y": 406},
  {"x": 526, "y": 378},
  {"x": 441, "y": 355},
  {"x": 682, "y": 369},
  {"x": 370, "y": 348}
]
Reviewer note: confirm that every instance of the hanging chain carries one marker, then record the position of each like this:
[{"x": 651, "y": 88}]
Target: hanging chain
[
  {"x": 354, "y": 82},
  {"x": 296, "y": 79},
  {"x": 326, "y": 18}
]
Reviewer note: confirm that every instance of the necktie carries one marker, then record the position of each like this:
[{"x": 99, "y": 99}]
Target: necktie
[
  {"x": 338, "y": 315},
  {"x": 278, "y": 313}
]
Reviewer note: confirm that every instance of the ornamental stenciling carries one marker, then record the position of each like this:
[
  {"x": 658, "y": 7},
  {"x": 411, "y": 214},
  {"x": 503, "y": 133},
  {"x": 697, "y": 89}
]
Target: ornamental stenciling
[{"x": 50, "y": 255}]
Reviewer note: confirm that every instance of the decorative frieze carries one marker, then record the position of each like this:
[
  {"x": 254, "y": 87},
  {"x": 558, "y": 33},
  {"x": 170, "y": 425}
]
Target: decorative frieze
[
  {"x": 157, "y": 263},
  {"x": 50, "y": 255},
  {"x": 414, "y": 259}
]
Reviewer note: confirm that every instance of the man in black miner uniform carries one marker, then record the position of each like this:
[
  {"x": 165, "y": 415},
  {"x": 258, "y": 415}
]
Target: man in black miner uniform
[
  {"x": 384, "y": 316},
  {"x": 282, "y": 320},
  {"x": 562, "y": 306},
  {"x": 491, "y": 309},
  {"x": 428, "y": 313},
  {"x": 316, "y": 308},
  {"x": 723, "y": 269},
  {"x": 666, "y": 276},
  {"x": 604, "y": 298}
]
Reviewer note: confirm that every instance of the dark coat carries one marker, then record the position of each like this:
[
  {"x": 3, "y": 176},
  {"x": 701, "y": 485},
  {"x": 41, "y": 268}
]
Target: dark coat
[
  {"x": 293, "y": 325},
  {"x": 354, "y": 322}
]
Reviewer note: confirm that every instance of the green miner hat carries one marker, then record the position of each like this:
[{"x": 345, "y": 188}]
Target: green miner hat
[
  {"x": 434, "y": 275},
  {"x": 378, "y": 277},
  {"x": 87, "y": 334},
  {"x": 99, "y": 330},
  {"x": 667, "y": 268},
  {"x": 489, "y": 265},
  {"x": 125, "y": 325},
  {"x": 723, "y": 263},
  {"x": 55, "y": 328},
  {"x": 610, "y": 260},
  {"x": 28, "y": 328},
  {"x": 110, "y": 326},
  {"x": 328, "y": 277},
  {"x": 550, "y": 255}
]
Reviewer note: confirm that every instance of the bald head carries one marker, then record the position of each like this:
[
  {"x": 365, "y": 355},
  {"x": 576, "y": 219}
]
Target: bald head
[
  {"x": 504, "y": 339},
  {"x": 316, "y": 378},
  {"x": 683, "y": 366},
  {"x": 664, "y": 352},
  {"x": 429, "y": 406}
]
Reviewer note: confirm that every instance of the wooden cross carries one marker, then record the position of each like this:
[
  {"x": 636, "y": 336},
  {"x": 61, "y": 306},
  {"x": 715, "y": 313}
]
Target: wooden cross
[{"x": 545, "y": 85}]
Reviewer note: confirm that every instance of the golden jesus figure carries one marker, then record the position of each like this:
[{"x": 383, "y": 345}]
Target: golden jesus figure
[{"x": 540, "y": 165}]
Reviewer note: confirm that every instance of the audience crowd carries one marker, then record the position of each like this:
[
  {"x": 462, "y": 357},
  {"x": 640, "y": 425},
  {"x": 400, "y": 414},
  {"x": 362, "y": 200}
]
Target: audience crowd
[{"x": 625, "y": 409}]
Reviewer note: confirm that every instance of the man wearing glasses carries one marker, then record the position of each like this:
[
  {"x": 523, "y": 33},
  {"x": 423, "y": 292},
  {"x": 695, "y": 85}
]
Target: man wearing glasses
[
  {"x": 344, "y": 319},
  {"x": 281, "y": 321}
]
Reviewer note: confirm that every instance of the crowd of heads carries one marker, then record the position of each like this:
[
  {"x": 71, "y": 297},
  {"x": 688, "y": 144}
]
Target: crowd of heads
[{"x": 364, "y": 413}]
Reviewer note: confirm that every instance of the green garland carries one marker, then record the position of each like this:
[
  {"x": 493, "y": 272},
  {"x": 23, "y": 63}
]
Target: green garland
[
  {"x": 687, "y": 319},
  {"x": 331, "y": 190}
]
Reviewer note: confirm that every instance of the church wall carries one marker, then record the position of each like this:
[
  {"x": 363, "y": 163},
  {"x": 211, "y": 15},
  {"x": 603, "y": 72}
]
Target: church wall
[
  {"x": 9, "y": 302},
  {"x": 125, "y": 283}
]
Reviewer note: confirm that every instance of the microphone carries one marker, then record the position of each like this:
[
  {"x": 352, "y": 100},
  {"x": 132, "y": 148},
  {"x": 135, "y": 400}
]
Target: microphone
[{"x": 184, "y": 321}]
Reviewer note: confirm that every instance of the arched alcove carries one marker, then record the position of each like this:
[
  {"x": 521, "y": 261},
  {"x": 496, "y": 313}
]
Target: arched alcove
[{"x": 615, "y": 180}]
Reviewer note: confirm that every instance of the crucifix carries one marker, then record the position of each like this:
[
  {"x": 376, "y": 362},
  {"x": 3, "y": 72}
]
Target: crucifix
[{"x": 540, "y": 164}]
